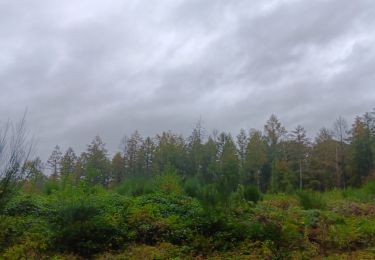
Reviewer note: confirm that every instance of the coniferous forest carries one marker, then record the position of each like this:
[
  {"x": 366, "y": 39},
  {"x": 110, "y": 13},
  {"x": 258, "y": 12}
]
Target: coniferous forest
[{"x": 271, "y": 193}]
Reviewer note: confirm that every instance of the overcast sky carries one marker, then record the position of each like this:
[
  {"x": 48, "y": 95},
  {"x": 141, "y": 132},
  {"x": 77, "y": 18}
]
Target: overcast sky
[{"x": 90, "y": 67}]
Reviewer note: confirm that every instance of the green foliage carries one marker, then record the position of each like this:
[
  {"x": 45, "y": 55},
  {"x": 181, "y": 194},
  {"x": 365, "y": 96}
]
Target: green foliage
[
  {"x": 10, "y": 230},
  {"x": 229, "y": 168},
  {"x": 168, "y": 182},
  {"x": 311, "y": 200},
  {"x": 243, "y": 197},
  {"x": 364, "y": 194},
  {"x": 85, "y": 221},
  {"x": 162, "y": 217},
  {"x": 210, "y": 196},
  {"x": 170, "y": 152},
  {"x": 50, "y": 186},
  {"x": 251, "y": 193},
  {"x": 83, "y": 230},
  {"x": 23, "y": 237},
  {"x": 169, "y": 204},
  {"x": 282, "y": 177},
  {"x": 90, "y": 225},
  {"x": 281, "y": 201},
  {"x": 362, "y": 150},
  {"x": 369, "y": 189},
  {"x": 168, "y": 197},
  {"x": 136, "y": 252},
  {"x": 192, "y": 187},
  {"x": 256, "y": 153},
  {"x": 28, "y": 205},
  {"x": 33, "y": 243},
  {"x": 136, "y": 186}
]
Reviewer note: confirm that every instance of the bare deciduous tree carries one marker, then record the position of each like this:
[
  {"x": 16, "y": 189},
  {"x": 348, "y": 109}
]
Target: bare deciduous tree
[{"x": 15, "y": 148}]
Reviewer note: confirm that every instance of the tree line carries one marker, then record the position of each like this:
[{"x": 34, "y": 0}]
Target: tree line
[{"x": 273, "y": 160}]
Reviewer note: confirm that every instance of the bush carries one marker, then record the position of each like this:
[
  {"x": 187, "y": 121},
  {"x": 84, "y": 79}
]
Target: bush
[
  {"x": 10, "y": 229},
  {"x": 34, "y": 242},
  {"x": 192, "y": 187},
  {"x": 280, "y": 201},
  {"x": 210, "y": 196},
  {"x": 369, "y": 188},
  {"x": 167, "y": 205},
  {"x": 79, "y": 221},
  {"x": 136, "y": 252},
  {"x": 50, "y": 186},
  {"x": 159, "y": 217},
  {"x": 311, "y": 200},
  {"x": 364, "y": 194},
  {"x": 85, "y": 229},
  {"x": 23, "y": 237},
  {"x": 136, "y": 186},
  {"x": 169, "y": 182},
  {"x": 26, "y": 205},
  {"x": 251, "y": 193}
]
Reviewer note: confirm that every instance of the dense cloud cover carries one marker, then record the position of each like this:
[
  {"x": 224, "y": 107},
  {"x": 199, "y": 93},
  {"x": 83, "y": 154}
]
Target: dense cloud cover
[{"x": 90, "y": 67}]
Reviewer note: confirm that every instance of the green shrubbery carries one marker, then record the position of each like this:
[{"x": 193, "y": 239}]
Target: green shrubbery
[
  {"x": 85, "y": 229},
  {"x": 364, "y": 194},
  {"x": 311, "y": 200},
  {"x": 162, "y": 223},
  {"x": 136, "y": 186}
]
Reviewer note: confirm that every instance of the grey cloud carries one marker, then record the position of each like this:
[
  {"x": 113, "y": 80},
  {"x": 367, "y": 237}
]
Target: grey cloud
[{"x": 92, "y": 67}]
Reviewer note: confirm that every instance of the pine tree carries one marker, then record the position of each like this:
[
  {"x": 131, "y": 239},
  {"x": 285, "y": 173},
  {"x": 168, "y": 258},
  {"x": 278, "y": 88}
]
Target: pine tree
[
  {"x": 362, "y": 151},
  {"x": 118, "y": 168},
  {"x": 97, "y": 165},
  {"x": 54, "y": 161},
  {"x": 195, "y": 145},
  {"x": 209, "y": 170},
  {"x": 170, "y": 151},
  {"x": 274, "y": 133},
  {"x": 242, "y": 142},
  {"x": 146, "y": 156},
  {"x": 299, "y": 145},
  {"x": 282, "y": 178},
  {"x": 68, "y": 162},
  {"x": 229, "y": 165},
  {"x": 256, "y": 158},
  {"x": 132, "y": 153},
  {"x": 323, "y": 161}
]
